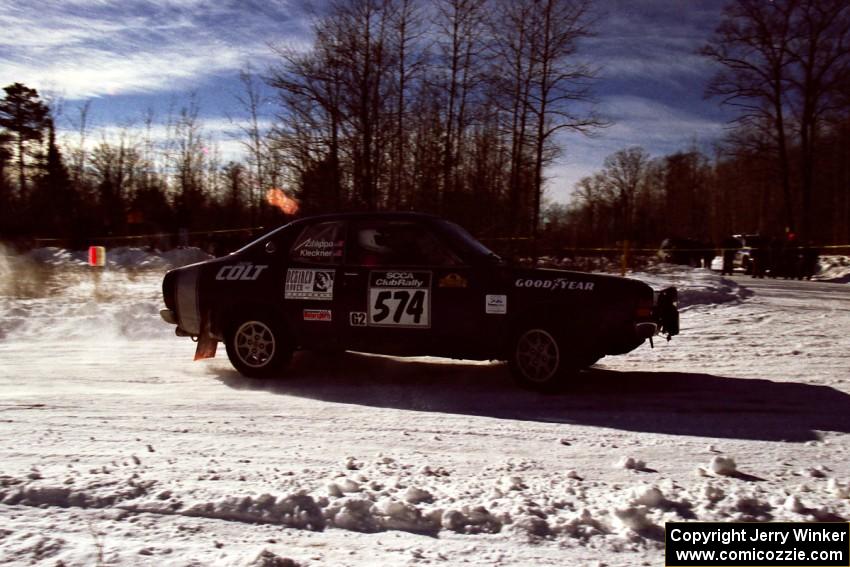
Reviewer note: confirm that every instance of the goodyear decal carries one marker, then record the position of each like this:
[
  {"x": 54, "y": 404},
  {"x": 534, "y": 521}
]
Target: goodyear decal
[{"x": 557, "y": 284}]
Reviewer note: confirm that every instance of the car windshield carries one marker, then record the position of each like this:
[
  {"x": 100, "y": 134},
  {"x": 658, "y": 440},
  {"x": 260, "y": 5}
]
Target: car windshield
[{"x": 468, "y": 242}]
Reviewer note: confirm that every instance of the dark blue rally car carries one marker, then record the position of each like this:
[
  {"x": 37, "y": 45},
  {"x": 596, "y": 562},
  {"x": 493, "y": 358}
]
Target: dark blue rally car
[{"x": 406, "y": 284}]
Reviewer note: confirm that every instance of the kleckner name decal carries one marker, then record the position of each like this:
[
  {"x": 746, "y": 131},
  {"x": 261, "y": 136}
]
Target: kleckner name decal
[
  {"x": 309, "y": 284},
  {"x": 556, "y": 284},
  {"x": 316, "y": 248}
]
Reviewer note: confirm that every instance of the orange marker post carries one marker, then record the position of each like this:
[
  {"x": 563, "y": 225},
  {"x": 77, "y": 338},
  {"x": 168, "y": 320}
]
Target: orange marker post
[{"x": 97, "y": 256}]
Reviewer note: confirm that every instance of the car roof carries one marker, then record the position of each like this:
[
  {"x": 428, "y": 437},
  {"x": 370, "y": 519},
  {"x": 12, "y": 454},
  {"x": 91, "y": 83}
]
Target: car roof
[{"x": 368, "y": 215}]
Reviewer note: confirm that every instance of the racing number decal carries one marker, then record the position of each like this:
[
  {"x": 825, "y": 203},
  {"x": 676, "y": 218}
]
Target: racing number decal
[
  {"x": 408, "y": 309},
  {"x": 400, "y": 299}
]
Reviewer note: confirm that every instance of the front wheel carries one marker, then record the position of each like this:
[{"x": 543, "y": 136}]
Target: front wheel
[
  {"x": 538, "y": 360},
  {"x": 257, "y": 347}
]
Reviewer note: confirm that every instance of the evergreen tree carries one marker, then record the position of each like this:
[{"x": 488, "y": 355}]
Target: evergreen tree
[
  {"x": 5, "y": 189},
  {"x": 53, "y": 200},
  {"x": 24, "y": 116}
]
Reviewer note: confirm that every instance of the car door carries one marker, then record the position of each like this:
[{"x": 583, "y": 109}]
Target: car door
[
  {"x": 311, "y": 289},
  {"x": 404, "y": 289}
]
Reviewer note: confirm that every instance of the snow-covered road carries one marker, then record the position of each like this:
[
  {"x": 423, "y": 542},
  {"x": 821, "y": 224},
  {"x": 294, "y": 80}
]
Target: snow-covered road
[{"x": 117, "y": 449}]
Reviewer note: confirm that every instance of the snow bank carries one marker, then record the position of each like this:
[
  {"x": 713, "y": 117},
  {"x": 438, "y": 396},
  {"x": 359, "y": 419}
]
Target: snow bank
[
  {"x": 697, "y": 286},
  {"x": 53, "y": 256},
  {"x": 84, "y": 304},
  {"x": 834, "y": 269},
  {"x": 120, "y": 257},
  {"x": 550, "y": 506},
  {"x": 51, "y": 293}
]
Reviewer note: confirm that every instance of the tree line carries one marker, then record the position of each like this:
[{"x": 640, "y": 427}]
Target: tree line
[
  {"x": 455, "y": 107},
  {"x": 783, "y": 168},
  {"x": 452, "y": 107}
]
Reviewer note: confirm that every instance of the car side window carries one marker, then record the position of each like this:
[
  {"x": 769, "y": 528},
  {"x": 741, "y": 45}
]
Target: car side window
[
  {"x": 397, "y": 243},
  {"x": 320, "y": 243}
]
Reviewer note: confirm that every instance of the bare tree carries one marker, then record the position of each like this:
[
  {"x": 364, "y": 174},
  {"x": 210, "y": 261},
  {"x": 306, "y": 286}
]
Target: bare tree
[
  {"x": 341, "y": 88},
  {"x": 785, "y": 67},
  {"x": 751, "y": 43},
  {"x": 460, "y": 24},
  {"x": 188, "y": 157},
  {"x": 624, "y": 172},
  {"x": 820, "y": 52},
  {"x": 512, "y": 77},
  {"x": 114, "y": 167},
  {"x": 560, "y": 81},
  {"x": 79, "y": 154},
  {"x": 406, "y": 32},
  {"x": 253, "y": 136},
  {"x": 309, "y": 130}
]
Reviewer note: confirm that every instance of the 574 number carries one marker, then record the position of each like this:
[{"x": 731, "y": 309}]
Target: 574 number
[{"x": 399, "y": 307}]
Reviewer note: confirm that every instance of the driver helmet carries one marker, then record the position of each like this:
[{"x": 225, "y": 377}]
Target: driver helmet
[{"x": 373, "y": 240}]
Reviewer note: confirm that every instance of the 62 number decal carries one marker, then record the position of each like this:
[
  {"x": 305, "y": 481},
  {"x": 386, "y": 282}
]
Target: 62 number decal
[{"x": 402, "y": 307}]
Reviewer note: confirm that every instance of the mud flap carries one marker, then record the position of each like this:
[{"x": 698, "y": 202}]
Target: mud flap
[
  {"x": 206, "y": 344},
  {"x": 667, "y": 311}
]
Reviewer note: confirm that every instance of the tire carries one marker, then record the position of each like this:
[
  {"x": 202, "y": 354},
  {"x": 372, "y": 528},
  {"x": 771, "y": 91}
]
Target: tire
[
  {"x": 539, "y": 361},
  {"x": 257, "y": 346}
]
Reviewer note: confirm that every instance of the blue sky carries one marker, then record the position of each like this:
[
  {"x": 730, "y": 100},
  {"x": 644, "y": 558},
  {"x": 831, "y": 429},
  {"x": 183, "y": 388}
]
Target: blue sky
[{"x": 133, "y": 55}]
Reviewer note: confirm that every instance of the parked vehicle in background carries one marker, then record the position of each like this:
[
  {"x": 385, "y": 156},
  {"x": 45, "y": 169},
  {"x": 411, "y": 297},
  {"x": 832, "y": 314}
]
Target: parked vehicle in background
[
  {"x": 753, "y": 256},
  {"x": 686, "y": 251},
  {"x": 759, "y": 256},
  {"x": 729, "y": 248}
]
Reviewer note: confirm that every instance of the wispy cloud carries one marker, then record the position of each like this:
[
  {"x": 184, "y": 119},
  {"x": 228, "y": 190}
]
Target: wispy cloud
[
  {"x": 655, "y": 40},
  {"x": 221, "y": 132},
  {"x": 640, "y": 121},
  {"x": 85, "y": 49},
  {"x": 650, "y": 84},
  {"x": 657, "y": 127}
]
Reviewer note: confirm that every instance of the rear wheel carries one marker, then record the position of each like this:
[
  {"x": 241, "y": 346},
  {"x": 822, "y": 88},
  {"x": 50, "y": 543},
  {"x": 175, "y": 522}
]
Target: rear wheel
[
  {"x": 538, "y": 359},
  {"x": 257, "y": 346}
]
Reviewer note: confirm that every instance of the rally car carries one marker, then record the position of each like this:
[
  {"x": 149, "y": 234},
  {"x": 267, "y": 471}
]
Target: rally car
[{"x": 406, "y": 284}]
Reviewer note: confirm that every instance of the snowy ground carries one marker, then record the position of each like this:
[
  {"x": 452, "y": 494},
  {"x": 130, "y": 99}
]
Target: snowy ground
[{"x": 117, "y": 449}]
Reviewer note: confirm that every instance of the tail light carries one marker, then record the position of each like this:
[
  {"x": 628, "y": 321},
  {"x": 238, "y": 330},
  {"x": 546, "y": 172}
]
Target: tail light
[{"x": 644, "y": 307}]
